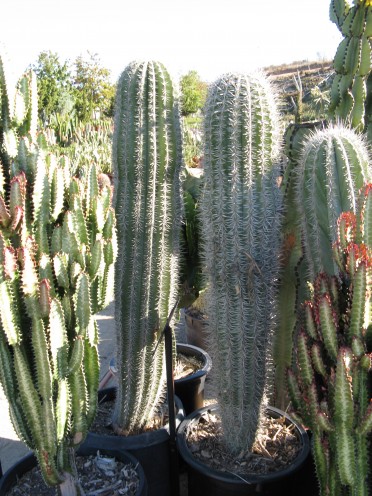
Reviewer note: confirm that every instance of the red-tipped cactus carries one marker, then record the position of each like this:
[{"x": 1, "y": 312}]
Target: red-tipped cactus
[{"x": 328, "y": 385}]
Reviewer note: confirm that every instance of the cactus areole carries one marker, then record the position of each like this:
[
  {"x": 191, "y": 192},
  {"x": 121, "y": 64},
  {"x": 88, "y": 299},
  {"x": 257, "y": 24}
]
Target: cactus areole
[
  {"x": 240, "y": 232},
  {"x": 147, "y": 158}
]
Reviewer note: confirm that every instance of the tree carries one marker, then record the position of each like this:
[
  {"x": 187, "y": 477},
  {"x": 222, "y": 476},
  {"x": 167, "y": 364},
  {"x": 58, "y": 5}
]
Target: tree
[
  {"x": 54, "y": 83},
  {"x": 94, "y": 92},
  {"x": 194, "y": 92}
]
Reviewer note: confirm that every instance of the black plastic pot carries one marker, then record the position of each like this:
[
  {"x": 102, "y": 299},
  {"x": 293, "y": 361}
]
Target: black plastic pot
[
  {"x": 190, "y": 389},
  {"x": 28, "y": 462},
  {"x": 152, "y": 449},
  {"x": 203, "y": 480}
]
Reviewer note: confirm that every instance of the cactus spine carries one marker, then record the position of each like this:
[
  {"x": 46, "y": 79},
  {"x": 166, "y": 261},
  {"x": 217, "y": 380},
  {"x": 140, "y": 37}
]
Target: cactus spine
[
  {"x": 240, "y": 221},
  {"x": 329, "y": 384},
  {"x": 57, "y": 253},
  {"x": 352, "y": 62},
  {"x": 147, "y": 157}
]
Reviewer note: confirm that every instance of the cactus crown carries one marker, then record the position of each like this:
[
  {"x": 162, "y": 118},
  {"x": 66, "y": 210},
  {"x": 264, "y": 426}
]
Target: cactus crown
[
  {"x": 240, "y": 221},
  {"x": 334, "y": 165}
]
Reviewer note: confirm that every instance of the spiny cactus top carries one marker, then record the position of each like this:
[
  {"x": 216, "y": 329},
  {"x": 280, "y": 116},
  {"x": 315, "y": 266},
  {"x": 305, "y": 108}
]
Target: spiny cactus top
[
  {"x": 334, "y": 165},
  {"x": 147, "y": 158},
  {"x": 240, "y": 221}
]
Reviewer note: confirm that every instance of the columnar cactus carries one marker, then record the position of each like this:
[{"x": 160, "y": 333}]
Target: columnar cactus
[
  {"x": 56, "y": 258},
  {"x": 147, "y": 159},
  {"x": 333, "y": 166},
  {"x": 240, "y": 221},
  {"x": 352, "y": 62},
  {"x": 328, "y": 384}
]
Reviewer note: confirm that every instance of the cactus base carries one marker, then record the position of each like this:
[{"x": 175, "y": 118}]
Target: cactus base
[{"x": 204, "y": 480}]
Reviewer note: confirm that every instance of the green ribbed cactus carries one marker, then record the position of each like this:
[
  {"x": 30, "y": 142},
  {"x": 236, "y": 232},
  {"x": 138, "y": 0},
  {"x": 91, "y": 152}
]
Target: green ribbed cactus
[
  {"x": 352, "y": 62},
  {"x": 240, "y": 217},
  {"x": 147, "y": 158},
  {"x": 333, "y": 166},
  {"x": 292, "y": 267},
  {"x": 57, "y": 250},
  {"x": 329, "y": 383}
]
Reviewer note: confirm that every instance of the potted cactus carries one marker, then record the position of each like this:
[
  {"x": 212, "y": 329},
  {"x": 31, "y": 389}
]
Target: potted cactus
[
  {"x": 328, "y": 384},
  {"x": 240, "y": 214},
  {"x": 57, "y": 253},
  {"x": 147, "y": 161}
]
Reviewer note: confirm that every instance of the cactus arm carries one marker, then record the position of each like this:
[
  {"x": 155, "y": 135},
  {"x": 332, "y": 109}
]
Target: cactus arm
[
  {"x": 352, "y": 62},
  {"x": 78, "y": 407},
  {"x": 29, "y": 397},
  {"x": 82, "y": 304},
  {"x": 329, "y": 326},
  {"x": 9, "y": 315},
  {"x": 58, "y": 340},
  {"x": 63, "y": 410},
  {"x": 91, "y": 367},
  {"x": 359, "y": 294}
]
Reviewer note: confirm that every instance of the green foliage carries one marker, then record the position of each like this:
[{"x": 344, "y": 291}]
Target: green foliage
[
  {"x": 93, "y": 91},
  {"x": 193, "y": 93},
  {"x": 240, "y": 218},
  {"x": 328, "y": 384},
  {"x": 191, "y": 268},
  {"x": 147, "y": 159},
  {"x": 54, "y": 83},
  {"x": 192, "y": 140},
  {"x": 57, "y": 239}
]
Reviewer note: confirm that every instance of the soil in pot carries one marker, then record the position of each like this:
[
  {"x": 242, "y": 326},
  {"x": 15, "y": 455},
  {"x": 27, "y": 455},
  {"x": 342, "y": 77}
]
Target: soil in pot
[
  {"x": 98, "y": 474},
  {"x": 271, "y": 469},
  {"x": 186, "y": 365}
]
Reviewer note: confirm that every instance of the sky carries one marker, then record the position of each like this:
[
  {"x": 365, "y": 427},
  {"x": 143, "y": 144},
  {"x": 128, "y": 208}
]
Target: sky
[{"x": 210, "y": 36}]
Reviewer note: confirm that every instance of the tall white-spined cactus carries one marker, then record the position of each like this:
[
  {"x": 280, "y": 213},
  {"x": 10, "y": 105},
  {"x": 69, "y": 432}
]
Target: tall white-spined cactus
[
  {"x": 240, "y": 215},
  {"x": 147, "y": 159},
  {"x": 333, "y": 166},
  {"x": 57, "y": 251}
]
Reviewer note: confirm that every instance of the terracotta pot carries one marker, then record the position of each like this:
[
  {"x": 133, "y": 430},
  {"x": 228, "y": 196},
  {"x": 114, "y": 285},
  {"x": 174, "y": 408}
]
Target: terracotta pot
[
  {"x": 190, "y": 389},
  {"x": 29, "y": 462},
  {"x": 203, "y": 480}
]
